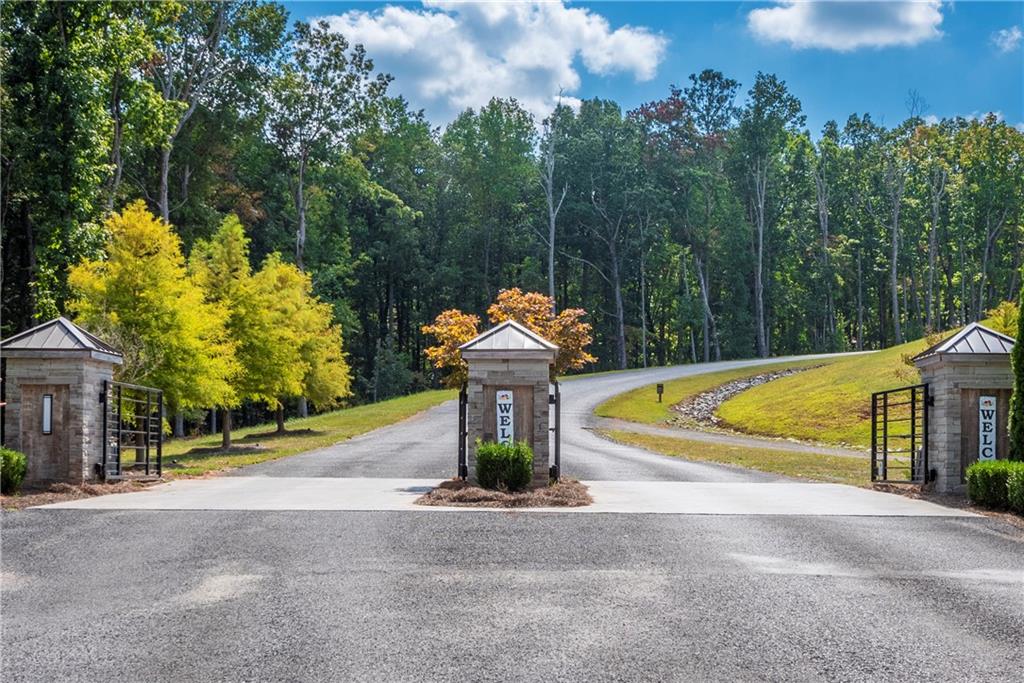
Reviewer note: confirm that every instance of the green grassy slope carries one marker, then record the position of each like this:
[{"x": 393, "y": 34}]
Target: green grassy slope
[
  {"x": 831, "y": 404},
  {"x": 202, "y": 454},
  {"x": 641, "y": 405}
]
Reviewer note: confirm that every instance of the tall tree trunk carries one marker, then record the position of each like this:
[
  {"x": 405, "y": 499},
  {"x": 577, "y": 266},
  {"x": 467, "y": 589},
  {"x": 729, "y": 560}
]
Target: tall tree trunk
[
  {"x": 213, "y": 421},
  {"x": 300, "y": 207},
  {"x": 165, "y": 171},
  {"x": 115, "y": 147},
  {"x": 860, "y": 303},
  {"x": 179, "y": 424},
  {"x": 710, "y": 329},
  {"x": 303, "y": 407},
  {"x": 620, "y": 316},
  {"x": 760, "y": 192},
  {"x": 894, "y": 254},
  {"x": 279, "y": 417},
  {"x": 225, "y": 426}
]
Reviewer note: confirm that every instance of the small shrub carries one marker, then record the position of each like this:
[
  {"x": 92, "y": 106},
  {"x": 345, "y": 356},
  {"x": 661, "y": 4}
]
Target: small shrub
[
  {"x": 1015, "y": 489},
  {"x": 13, "y": 466},
  {"x": 506, "y": 467},
  {"x": 988, "y": 483}
]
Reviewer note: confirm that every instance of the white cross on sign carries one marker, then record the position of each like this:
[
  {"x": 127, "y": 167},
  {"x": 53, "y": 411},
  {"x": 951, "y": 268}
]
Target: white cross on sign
[
  {"x": 506, "y": 430},
  {"x": 987, "y": 428}
]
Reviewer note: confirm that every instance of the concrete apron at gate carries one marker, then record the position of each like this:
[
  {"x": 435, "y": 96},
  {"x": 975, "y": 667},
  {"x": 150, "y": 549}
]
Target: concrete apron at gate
[{"x": 624, "y": 497}]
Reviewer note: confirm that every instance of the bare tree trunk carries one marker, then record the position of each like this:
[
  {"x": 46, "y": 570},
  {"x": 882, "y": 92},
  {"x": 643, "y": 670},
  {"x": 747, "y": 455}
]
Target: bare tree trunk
[
  {"x": 620, "y": 317},
  {"x": 760, "y": 192},
  {"x": 179, "y": 424},
  {"x": 279, "y": 416},
  {"x": 303, "y": 407},
  {"x": 300, "y": 207},
  {"x": 225, "y": 425},
  {"x": 938, "y": 189},
  {"x": 860, "y": 303},
  {"x": 213, "y": 421},
  {"x": 896, "y": 196},
  {"x": 822, "y": 195},
  {"x": 710, "y": 329},
  {"x": 115, "y": 148},
  {"x": 548, "y": 183},
  {"x": 165, "y": 170}
]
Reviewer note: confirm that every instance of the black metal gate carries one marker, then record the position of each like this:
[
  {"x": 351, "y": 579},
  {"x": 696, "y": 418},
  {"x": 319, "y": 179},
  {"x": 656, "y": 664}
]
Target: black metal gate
[
  {"x": 899, "y": 435},
  {"x": 132, "y": 431}
]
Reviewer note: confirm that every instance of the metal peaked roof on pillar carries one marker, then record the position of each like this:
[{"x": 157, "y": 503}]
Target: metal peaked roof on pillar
[
  {"x": 973, "y": 339},
  {"x": 508, "y": 336},
  {"x": 60, "y": 335}
]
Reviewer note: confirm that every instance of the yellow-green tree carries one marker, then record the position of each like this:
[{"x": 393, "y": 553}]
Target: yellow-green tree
[
  {"x": 220, "y": 266},
  {"x": 142, "y": 299},
  {"x": 307, "y": 351}
]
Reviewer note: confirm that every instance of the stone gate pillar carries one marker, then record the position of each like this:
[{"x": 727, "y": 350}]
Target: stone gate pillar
[
  {"x": 53, "y": 378},
  {"x": 508, "y": 386},
  {"x": 969, "y": 380}
]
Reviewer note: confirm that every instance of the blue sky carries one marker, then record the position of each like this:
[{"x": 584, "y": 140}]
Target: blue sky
[{"x": 964, "y": 58}]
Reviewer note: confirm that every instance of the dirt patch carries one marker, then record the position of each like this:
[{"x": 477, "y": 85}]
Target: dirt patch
[
  {"x": 700, "y": 409},
  {"x": 58, "y": 493},
  {"x": 212, "y": 451},
  {"x": 277, "y": 435},
  {"x": 458, "y": 493}
]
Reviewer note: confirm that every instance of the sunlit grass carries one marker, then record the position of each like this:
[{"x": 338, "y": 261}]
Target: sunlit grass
[
  {"x": 816, "y": 466},
  {"x": 194, "y": 456},
  {"x": 641, "y": 405}
]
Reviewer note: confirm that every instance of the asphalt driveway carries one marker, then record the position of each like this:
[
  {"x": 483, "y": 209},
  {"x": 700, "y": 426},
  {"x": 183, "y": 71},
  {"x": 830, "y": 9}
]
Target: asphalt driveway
[{"x": 309, "y": 595}]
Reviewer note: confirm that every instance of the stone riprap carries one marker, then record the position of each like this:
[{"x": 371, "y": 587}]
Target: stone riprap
[{"x": 700, "y": 409}]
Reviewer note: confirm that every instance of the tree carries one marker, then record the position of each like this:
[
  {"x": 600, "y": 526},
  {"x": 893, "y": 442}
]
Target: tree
[
  {"x": 212, "y": 43},
  {"x": 549, "y": 156},
  {"x": 1016, "y": 425},
  {"x": 533, "y": 310},
  {"x": 142, "y": 299},
  {"x": 769, "y": 114},
  {"x": 323, "y": 94}
]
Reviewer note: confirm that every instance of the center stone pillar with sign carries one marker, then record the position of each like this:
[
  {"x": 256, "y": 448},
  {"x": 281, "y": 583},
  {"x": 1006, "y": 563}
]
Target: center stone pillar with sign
[{"x": 507, "y": 392}]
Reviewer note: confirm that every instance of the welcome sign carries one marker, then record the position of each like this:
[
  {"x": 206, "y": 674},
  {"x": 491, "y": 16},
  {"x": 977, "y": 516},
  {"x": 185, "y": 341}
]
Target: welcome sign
[
  {"x": 506, "y": 430},
  {"x": 987, "y": 428}
]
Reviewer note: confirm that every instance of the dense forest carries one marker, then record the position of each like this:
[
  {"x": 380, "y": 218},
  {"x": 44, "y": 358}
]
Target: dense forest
[{"x": 710, "y": 224}]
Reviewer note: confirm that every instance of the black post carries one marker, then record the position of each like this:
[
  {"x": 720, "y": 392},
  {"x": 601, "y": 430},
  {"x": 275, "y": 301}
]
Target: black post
[
  {"x": 885, "y": 436},
  {"x": 463, "y": 465},
  {"x": 117, "y": 467},
  {"x": 874, "y": 437},
  {"x": 558, "y": 431},
  {"x": 925, "y": 404},
  {"x": 160, "y": 434},
  {"x": 914, "y": 463},
  {"x": 149, "y": 416},
  {"x": 106, "y": 418}
]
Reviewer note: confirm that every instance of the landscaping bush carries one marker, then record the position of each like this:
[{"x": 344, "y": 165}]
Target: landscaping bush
[
  {"x": 507, "y": 467},
  {"x": 1015, "y": 489},
  {"x": 988, "y": 484},
  {"x": 13, "y": 466}
]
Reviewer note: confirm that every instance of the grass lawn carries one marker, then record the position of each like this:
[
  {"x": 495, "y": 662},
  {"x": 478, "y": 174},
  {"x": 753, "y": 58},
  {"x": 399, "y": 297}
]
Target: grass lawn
[
  {"x": 202, "y": 454},
  {"x": 641, "y": 405},
  {"x": 831, "y": 404},
  {"x": 830, "y": 468}
]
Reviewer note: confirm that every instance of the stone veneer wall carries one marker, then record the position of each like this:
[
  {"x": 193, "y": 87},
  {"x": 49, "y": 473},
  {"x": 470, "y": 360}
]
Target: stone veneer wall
[
  {"x": 510, "y": 373},
  {"x": 83, "y": 377},
  {"x": 946, "y": 375}
]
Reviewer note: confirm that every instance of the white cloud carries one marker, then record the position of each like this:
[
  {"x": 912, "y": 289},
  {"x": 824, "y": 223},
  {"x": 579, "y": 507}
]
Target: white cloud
[
  {"x": 845, "y": 25},
  {"x": 1007, "y": 39},
  {"x": 447, "y": 56}
]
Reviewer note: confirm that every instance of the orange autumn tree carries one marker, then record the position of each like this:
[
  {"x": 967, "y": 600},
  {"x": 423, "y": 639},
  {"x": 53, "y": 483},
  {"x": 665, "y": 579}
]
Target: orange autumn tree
[{"x": 453, "y": 328}]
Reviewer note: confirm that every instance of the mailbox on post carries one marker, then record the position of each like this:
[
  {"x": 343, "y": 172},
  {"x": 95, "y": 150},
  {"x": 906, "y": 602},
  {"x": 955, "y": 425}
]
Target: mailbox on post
[{"x": 661, "y": 390}]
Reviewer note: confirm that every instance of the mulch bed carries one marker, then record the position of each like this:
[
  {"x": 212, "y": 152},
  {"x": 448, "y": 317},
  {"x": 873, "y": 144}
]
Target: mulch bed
[
  {"x": 458, "y": 493},
  {"x": 58, "y": 493}
]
